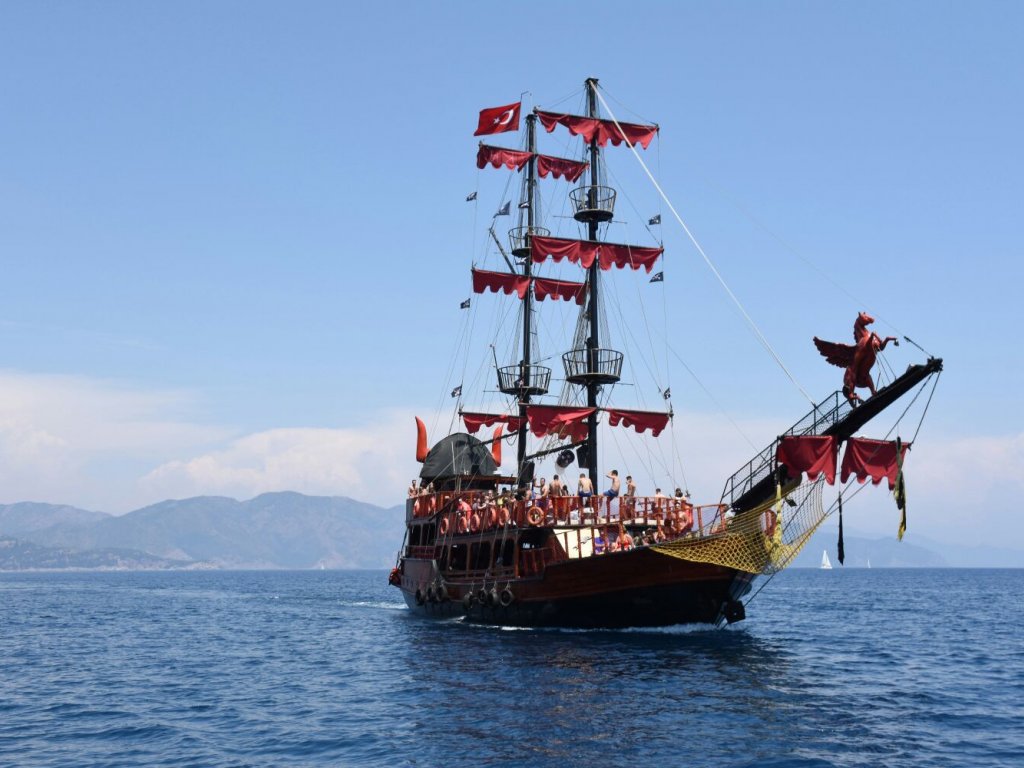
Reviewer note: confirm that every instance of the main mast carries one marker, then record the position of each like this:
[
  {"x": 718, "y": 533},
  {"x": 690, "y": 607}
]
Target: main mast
[
  {"x": 593, "y": 386},
  {"x": 524, "y": 399}
]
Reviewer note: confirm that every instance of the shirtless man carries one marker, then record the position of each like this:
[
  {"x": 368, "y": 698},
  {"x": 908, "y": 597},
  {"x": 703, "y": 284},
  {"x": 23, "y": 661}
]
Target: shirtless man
[
  {"x": 630, "y": 487},
  {"x": 612, "y": 492},
  {"x": 556, "y": 488},
  {"x": 586, "y": 489}
]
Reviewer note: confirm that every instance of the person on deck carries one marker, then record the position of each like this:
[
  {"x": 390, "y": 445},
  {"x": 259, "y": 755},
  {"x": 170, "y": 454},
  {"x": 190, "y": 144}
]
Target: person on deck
[
  {"x": 586, "y": 488},
  {"x": 556, "y": 488},
  {"x": 613, "y": 492}
]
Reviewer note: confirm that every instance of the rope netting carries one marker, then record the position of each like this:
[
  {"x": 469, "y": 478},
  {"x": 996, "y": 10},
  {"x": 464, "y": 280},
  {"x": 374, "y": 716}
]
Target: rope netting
[{"x": 763, "y": 540}]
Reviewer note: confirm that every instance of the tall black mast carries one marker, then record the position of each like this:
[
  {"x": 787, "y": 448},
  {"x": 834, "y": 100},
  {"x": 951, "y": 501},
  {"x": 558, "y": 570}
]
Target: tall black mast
[
  {"x": 524, "y": 399},
  {"x": 593, "y": 386}
]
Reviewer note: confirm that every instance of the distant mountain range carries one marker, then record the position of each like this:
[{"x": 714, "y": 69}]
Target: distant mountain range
[
  {"x": 275, "y": 530},
  {"x": 291, "y": 530}
]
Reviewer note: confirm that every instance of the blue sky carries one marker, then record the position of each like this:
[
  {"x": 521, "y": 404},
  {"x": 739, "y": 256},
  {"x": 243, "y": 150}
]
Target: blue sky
[{"x": 224, "y": 226}]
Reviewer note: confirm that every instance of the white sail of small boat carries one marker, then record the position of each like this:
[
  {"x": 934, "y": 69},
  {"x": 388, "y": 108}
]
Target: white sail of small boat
[
  {"x": 825, "y": 562},
  {"x": 869, "y": 562}
]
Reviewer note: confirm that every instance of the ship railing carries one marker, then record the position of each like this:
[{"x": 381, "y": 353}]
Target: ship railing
[
  {"x": 828, "y": 412},
  {"x": 468, "y": 512}
]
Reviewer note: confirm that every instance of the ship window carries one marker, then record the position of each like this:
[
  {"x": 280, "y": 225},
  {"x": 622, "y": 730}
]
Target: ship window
[
  {"x": 507, "y": 552},
  {"x": 430, "y": 533},
  {"x": 482, "y": 560},
  {"x": 458, "y": 558}
]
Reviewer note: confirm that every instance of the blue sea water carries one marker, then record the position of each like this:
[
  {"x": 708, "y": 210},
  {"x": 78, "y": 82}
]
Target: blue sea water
[{"x": 832, "y": 668}]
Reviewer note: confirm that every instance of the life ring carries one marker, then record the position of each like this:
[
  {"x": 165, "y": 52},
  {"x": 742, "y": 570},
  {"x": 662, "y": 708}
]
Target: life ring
[
  {"x": 474, "y": 522},
  {"x": 506, "y": 515},
  {"x": 395, "y": 577},
  {"x": 442, "y": 528},
  {"x": 771, "y": 519},
  {"x": 492, "y": 517},
  {"x": 535, "y": 516},
  {"x": 462, "y": 524},
  {"x": 507, "y": 597}
]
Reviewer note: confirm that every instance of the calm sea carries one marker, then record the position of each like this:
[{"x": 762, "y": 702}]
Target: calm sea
[{"x": 842, "y": 667}]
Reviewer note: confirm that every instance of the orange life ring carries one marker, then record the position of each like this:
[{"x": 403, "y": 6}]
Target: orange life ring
[
  {"x": 474, "y": 522},
  {"x": 506, "y": 515},
  {"x": 535, "y": 516},
  {"x": 443, "y": 526},
  {"x": 462, "y": 524},
  {"x": 492, "y": 517}
]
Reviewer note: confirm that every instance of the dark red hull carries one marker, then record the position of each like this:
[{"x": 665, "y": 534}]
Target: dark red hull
[{"x": 638, "y": 588}]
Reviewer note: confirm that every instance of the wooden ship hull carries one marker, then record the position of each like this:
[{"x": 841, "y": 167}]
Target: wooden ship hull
[{"x": 639, "y": 588}]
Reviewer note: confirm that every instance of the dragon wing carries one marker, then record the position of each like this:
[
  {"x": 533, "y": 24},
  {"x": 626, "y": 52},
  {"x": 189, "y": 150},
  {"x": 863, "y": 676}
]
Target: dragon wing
[{"x": 837, "y": 354}]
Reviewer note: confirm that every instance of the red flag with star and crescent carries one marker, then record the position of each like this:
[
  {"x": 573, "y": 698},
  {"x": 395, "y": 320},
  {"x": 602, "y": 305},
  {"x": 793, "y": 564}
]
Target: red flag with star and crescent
[{"x": 499, "y": 119}]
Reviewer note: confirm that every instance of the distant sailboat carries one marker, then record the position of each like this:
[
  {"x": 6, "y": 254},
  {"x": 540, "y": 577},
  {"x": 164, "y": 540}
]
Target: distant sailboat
[
  {"x": 825, "y": 562},
  {"x": 869, "y": 562}
]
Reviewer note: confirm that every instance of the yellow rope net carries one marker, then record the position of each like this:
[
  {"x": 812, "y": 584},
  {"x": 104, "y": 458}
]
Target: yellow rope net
[{"x": 763, "y": 540}]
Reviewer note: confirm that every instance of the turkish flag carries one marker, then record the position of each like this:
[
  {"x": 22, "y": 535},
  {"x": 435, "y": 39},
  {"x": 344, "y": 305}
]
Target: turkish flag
[{"x": 499, "y": 119}]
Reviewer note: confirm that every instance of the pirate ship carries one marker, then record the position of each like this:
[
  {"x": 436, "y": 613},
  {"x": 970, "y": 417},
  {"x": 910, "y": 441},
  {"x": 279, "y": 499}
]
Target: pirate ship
[{"x": 502, "y": 548}]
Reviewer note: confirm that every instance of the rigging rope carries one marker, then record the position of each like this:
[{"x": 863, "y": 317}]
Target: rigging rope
[{"x": 750, "y": 321}]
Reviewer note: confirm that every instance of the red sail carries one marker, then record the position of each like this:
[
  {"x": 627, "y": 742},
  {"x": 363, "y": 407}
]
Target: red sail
[
  {"x": 476, "y": 420},
  {"x": 590, "y": 128},
  {"x": 639, "y": 420},
  {"x": 506, "y": 282},
  {"x": 583, "y": 252},
  {"x": 876, "y": 459},
  {"x": 559, "y": 167},
  {"x": 559, "y": 289},
  {"x": 499, "y": 156},
  {"x": 564, "y": 421},
  {"x": 810, "y": 454}
]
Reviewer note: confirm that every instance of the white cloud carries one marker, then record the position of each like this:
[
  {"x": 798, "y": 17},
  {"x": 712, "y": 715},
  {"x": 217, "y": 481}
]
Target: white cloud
[
  {"x": 76, "y": 440},
  {"x": 371, "y": 463}
]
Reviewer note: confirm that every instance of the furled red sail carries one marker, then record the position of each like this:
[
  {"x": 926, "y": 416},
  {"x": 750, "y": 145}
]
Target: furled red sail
[
  {"x": 591, "y": 128},
  {"x": 476, "y": 420},
  {"x": 506, "y": 282},
  {"x": 559, "y": 167},
  {"x": 559, "y": 289},
  {"x": 584, "y": 252},
  {"x": 639, "y": 420},
  {"x": 499, "y": 156},
  {"x": 876, "y": 459},
  {"x": 813, "y": 454},
  {"x": 564, "y": 421},
  {"x": 516, "y": 159}
]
